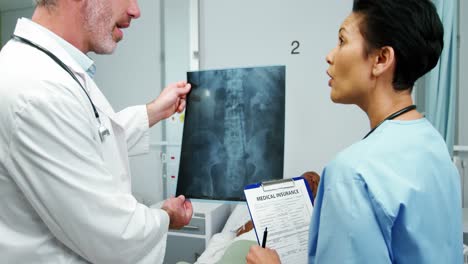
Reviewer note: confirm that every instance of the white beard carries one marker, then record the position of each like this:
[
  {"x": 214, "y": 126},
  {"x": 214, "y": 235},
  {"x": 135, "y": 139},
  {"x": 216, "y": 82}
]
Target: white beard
[{"x": 98, "y": 24}]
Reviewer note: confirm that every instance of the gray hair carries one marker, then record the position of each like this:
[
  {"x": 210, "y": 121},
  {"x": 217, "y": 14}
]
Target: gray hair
[{"x": 46, "y": 2}]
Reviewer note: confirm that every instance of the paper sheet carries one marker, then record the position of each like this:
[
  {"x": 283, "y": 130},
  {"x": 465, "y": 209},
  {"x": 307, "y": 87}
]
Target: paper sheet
[{"x": 286, "y": 211}]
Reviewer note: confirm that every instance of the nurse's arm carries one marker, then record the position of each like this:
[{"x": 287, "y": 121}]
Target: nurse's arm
[
  {"x": 259, "y": 255},
  {"x": 345, "y": 225}
]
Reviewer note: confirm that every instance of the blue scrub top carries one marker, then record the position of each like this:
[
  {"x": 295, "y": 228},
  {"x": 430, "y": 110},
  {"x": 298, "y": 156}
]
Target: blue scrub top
[{"x": 393, "y": 197}]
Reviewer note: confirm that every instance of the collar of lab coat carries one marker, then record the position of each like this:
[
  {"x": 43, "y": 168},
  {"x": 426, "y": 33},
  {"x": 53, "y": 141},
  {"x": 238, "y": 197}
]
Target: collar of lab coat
[
  {"x": 28, "y": 29},
  {"x": 77, "y": 55}
]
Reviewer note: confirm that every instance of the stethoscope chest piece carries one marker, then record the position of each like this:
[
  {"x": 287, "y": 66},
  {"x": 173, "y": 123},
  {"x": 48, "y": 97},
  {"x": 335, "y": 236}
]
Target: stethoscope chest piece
[{"x": 103, "y": 132}]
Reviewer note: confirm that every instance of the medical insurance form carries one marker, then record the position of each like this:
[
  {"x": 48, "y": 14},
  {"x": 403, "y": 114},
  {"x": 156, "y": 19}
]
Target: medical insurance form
[{"x": 285, "y": 208}]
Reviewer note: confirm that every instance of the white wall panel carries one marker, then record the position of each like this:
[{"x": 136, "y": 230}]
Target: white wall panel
[{"x": 249, "y": 33}]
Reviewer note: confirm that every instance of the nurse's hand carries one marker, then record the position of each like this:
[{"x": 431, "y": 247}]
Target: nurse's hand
[
  {"x": 258, "y": 255},
  {"x": 180, "y": 211},
  {"x": 170, "y": 100}
]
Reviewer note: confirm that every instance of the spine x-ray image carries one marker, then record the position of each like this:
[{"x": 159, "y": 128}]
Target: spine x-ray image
[{"x": 233, "y": 132}]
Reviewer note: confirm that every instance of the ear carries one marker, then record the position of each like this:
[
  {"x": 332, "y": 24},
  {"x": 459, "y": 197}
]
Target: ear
[{"x": 384, "y": 60}]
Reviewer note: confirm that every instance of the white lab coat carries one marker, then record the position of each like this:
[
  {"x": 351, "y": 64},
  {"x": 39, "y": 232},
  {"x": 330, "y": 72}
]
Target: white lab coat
[{"x": 65, "y": 196}]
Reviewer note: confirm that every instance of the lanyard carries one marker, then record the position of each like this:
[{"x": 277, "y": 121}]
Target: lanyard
[
  {"x": 392, "y": 116},
  {"x": 103, "y": 131}
]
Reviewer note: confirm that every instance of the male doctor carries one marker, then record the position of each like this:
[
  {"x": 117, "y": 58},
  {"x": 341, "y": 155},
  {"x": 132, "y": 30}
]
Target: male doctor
[{"x": 65, "y": 191}]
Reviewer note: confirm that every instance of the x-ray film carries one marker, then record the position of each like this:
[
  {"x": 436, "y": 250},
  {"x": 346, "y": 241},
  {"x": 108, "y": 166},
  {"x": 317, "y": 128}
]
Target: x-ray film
[{"x": 233, "y": 132}]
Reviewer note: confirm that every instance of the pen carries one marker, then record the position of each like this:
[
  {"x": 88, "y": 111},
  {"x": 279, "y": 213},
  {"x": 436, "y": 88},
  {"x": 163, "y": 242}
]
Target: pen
[{"x": 265, "y": 233}]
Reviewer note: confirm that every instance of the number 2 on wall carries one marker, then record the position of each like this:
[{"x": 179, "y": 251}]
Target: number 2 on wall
[{"x": 295, "y": 44}]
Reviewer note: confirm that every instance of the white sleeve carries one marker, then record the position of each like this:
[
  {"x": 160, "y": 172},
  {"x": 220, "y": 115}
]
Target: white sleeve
[
  {"x": 54, "y": 159},
  {"x": 135, "y": 122}
]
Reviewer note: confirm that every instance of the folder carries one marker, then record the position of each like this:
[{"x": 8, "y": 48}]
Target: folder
[{"x": 285, "y": 208}]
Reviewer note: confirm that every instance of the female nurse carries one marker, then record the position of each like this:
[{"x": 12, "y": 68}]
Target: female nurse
[{"x": 394, "y": 196}]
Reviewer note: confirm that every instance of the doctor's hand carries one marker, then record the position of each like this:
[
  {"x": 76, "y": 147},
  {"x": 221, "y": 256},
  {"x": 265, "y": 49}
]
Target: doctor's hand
[
  {"x": 170, "y": 100},
  {"x": 259, "y": 255},
  {"x": 179, "y": 210}
]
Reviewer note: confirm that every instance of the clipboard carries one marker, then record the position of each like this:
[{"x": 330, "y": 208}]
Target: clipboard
[{"x": 285, "y": 207}]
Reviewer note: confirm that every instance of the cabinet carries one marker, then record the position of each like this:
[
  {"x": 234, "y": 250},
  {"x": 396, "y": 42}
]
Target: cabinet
[{"x": 188, "y": 243}]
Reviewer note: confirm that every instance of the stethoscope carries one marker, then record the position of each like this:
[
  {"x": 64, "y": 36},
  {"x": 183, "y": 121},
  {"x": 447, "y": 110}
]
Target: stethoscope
[
  {"x": 102, "y": 130},
  {"x": 392, "y": 116}
]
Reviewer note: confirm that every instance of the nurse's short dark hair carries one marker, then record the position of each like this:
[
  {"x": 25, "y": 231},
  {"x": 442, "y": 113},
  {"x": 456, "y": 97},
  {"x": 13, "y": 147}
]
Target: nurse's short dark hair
[{"x": 411, "y": 27}]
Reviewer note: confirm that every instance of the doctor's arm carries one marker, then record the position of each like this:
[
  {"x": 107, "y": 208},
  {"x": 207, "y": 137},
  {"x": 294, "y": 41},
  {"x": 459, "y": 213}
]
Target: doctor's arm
[
  {"x": 179, "y": 210},
  {"x": 137, "y": 119},
  {"x": 56, "y": 161},
  {"x": 171, "y": 100}
]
